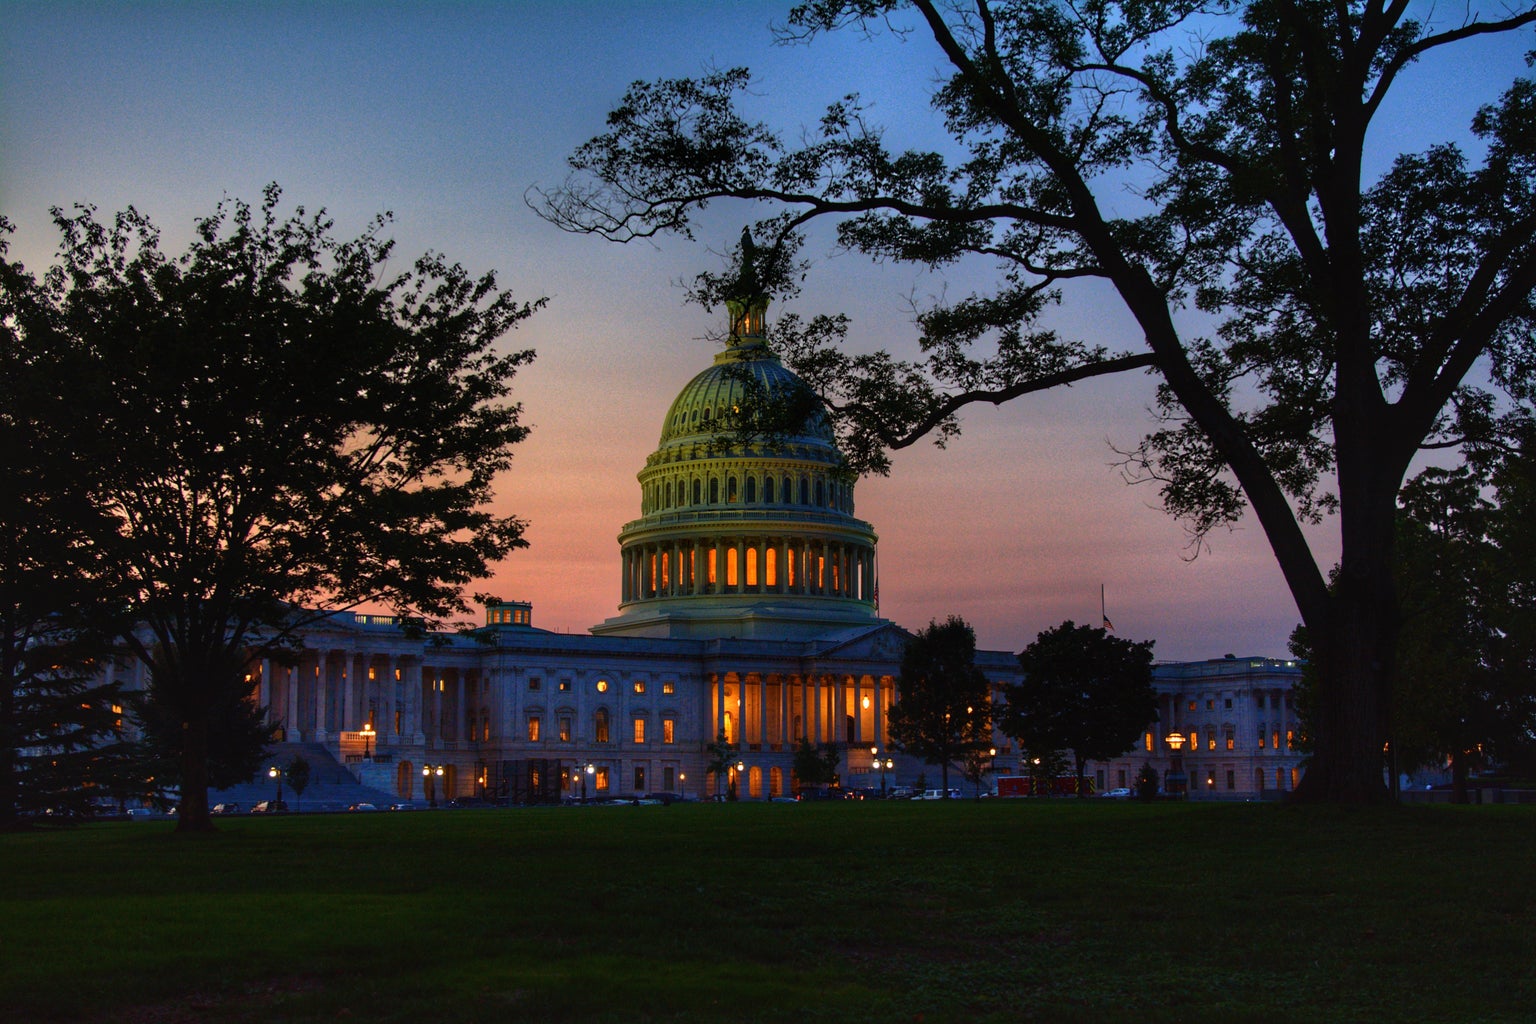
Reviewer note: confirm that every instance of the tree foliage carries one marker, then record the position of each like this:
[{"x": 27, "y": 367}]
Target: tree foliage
[
  {"x": 1187, "y": 155},
  {"x": 59, "y": 738},
  {"x": 1467, "y": 690},
  {"x": 816, "y": 765},
  {"x": 943, "y": 710},
  {"x": 274, "y": 425},
  {"x": 1084, "y": 691}
]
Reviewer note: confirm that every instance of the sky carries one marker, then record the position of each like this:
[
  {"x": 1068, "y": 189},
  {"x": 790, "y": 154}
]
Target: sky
[{"x": 448, "y": 113}]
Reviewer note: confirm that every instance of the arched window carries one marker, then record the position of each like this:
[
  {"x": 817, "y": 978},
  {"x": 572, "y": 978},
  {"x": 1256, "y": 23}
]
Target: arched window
[
  {"x": 751, "y": 490},
  {"x": 805, "y": 491},
  {"x": 714, "y": 490},
  {"x": 821, "y": 494},
  {"x": 730, "y": 488},
  {"x": 768, "y": 490},
  {"x": 696, "y": 492}
]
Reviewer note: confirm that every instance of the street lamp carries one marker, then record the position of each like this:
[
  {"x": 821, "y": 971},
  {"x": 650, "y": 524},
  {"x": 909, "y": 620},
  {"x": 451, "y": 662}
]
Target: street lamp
[
  {"x": 431, "y": 773},
  {"x": 1175, "y": 785},
  {"x": 584, "y": 769},
  {"x": 367, "y": 733},
  {"x": 741, "y": 766},
  {"x": 887, "y": 765},
  {"x": 276, "y": 775}
]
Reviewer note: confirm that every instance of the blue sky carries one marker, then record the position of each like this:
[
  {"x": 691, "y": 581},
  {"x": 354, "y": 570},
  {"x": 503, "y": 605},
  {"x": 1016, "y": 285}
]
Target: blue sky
[{"x": 447, "y": 113}]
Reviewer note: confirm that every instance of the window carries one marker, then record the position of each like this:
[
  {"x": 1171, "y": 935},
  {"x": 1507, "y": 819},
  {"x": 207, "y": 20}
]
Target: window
[
  {"x": 1149, "y": 743},
  {"x": 1290, "y": 739},
  {"x": 565, "y": 728},
  {"x": 602, "y": 686},
  {"x": 1261, "y": 735},
  {"x": 1228, "y": 703},
  {"x": 1231, "y": 779},
  {"x": 533, "y": 728},
  {"x": 1191, "y": 705},
  {"x": 1194, "y": 740},
  {"x": 534, "y": 684},
  {"x": 600, "y": 726},
  {"x": 602, "y": 778},
  {"x": 639, "y": 778},
  {"x": 565, "y": 685},
  {"x": 669, "y": 687},
  {"x": 666, "y": 778},
  {"x": 1210, "y": 743},
  {"x": 1210, "y": 703},
  {"x": 666, "y": 730},
  {"x": 639, "y": 686},
  {"x": 1231, "y": 740},
  {"x": 639, "y": 730}
]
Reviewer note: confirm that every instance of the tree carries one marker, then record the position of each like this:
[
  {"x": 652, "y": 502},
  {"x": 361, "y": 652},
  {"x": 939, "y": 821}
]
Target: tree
[
  {"x": 59, "y": 738},
  {"x": 1084, "y": 691},
  {"x": 1467, "y": 690},
  {"x": 722, "y": 764},
  {"x": 943, "y": 709},
  {"x": 1186, "y": 156},
  {"x": 298, "y": 778},
  {"x": 276, "y": 427},
  {"x": 816, "y": 765}
]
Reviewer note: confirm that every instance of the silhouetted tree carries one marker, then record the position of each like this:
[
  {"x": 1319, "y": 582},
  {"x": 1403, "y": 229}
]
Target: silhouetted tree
[
  {"x": 943, "y": 709},
  {"x": 816, "y": 765},
  {"x": 1083, "y": 690},
  {"x": 276, "y": 425}
]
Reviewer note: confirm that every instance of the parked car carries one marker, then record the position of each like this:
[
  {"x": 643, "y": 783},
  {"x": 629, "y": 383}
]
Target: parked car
[
  {"x": 1122, "y": 793},
  {"x": 229, "y": 808},
  {"x": 270, "y": 807},
  {"x": 142, "y": 813},
  {"x": 362, "y": 807}
]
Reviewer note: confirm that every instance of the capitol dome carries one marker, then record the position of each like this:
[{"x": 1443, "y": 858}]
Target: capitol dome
[{"x": 747, "y": 526}]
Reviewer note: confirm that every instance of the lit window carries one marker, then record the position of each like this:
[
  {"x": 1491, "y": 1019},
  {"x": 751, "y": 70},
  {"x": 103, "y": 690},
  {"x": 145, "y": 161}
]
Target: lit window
[
  {"x": 565, "y": 728},
  {"x": 669, "y": 687},
  {"x": 602, "y": 778},
  {"x": 639, "y": 730},
  {"x": 1261, "y": 737},
  {"x": 1149, "y": 743},
  {"x": 1210, "y": 703},
  {"x": 1210, "y": 743},
  {"x": 639, "y": 686},
  {"x": 533, "y": 683},
  {"x": 1231, "y": 741},
  {"x": 565, "y": 684},
  {"x": 1191, "y": 705},
  {"x": 666, "y": 730},
  {"x": 600, "y": 724},
  {"x": 533, "y": 728},
  {"x": 602, "y": 686},
  {"x": 1290, "y": 739},
  {"x": 1194, "y": 740}
]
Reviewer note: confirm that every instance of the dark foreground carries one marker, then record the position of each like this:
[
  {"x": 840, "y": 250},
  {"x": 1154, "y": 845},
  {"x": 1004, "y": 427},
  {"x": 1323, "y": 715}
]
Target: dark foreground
[{"x": 884, "y": 912}]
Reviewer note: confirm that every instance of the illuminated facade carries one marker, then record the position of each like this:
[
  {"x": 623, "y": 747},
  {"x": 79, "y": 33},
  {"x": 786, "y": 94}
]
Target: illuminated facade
[{"x": 1239, "y": 724}]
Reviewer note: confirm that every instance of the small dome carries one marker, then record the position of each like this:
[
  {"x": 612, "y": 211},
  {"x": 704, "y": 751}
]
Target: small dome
[{"x": 722, "y": 389}]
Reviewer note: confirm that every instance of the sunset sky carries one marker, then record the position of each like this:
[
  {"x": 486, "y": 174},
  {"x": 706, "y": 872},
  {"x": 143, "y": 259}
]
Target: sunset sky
[{"x": 448, "y": 113}]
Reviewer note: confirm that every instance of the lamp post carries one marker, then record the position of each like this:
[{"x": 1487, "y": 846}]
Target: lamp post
[
  {"x": 735, "y": 793},
  {"x": 1176, "y": 785},
  {"x": 886, "y": 765},
  {"x": 431, "y": 773},
  {"x": 276, "y": 775},
  {"x": 367, "y": 733}
]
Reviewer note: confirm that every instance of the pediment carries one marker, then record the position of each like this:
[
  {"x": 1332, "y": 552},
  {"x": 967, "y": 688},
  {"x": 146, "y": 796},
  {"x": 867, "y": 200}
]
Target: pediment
[{"x": 883, "y": 643}]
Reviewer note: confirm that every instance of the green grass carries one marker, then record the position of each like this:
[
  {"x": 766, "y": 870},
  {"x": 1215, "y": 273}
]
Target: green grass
[{"x": 970, "y": 912}]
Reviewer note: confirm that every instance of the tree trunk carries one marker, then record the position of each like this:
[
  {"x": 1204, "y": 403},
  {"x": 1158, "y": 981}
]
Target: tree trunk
[
  {"x": 1459, "y": 793},
  {"x": 193, "y": 815}
]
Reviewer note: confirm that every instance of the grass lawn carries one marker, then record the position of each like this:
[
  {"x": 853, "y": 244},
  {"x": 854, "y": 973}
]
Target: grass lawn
[{"x": 888, "y": 912}]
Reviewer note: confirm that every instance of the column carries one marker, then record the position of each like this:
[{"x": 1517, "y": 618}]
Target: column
[{"x": 291, "y": 731}]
